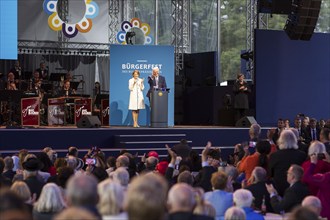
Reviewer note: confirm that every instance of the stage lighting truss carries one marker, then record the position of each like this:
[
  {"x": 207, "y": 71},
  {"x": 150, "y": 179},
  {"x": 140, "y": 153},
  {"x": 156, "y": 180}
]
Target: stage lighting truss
[
  {"x": 125, "y": 35},
  {"x": 62, "y": 48},
  {"x": 70, "y": 30}
]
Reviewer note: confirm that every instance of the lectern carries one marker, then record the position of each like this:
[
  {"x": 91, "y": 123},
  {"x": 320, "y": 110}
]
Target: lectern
[{"x": 159, "y": 108}]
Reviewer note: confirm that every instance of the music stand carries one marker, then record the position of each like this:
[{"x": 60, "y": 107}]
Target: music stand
[
  {"x": 74, "y": 85},
  {"x": 27, "y": 75},
  {"x": 12, "y": 97},
  {"x": 47, "y": 87},
  {"x": 56, "y": 76},
  {"x": 99, "y": 97}
]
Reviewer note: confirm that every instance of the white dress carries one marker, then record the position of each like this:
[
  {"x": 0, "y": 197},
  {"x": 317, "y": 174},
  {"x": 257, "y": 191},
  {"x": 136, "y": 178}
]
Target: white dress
[{"x": 136, "y": 99}]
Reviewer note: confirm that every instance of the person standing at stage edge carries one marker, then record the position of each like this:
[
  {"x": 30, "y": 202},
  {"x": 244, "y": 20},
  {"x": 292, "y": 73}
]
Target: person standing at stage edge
[
  {"x": 136, "y": 99},
  {"x": 156, "y": 81},
  {"x": 241, "y": 90}
]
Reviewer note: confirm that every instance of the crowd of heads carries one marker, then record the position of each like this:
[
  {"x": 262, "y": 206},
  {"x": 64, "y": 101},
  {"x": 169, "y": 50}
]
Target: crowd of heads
[{"x": 184, "y": 184}]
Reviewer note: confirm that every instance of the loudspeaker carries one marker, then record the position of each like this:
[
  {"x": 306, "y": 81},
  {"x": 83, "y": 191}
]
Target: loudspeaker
[
  {"x": 302, "y": 20},
  {"x": 90, "y": 121},
  {"x": 246, "y": 121}
]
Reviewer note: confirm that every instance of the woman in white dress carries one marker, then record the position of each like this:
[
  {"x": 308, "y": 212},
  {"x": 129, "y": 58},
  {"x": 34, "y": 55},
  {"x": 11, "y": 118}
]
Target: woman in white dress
[{"x": 136, "y": 99}]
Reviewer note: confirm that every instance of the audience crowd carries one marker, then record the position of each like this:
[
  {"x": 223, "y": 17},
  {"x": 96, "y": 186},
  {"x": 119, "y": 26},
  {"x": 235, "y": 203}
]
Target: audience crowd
[{"x": 286, "y": 174}]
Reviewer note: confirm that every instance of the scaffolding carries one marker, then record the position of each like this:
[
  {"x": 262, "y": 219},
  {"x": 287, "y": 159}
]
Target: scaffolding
[
  {"x": 63, "y": 12},
  {"x": 254, "y": 20},
  {"x": 180, "y": 31},
  {"x": 114, "y": 12}
]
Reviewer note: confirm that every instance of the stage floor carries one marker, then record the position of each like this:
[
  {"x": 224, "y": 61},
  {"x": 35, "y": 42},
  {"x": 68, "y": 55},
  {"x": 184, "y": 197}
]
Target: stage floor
[{"x": 113, "y": 138}]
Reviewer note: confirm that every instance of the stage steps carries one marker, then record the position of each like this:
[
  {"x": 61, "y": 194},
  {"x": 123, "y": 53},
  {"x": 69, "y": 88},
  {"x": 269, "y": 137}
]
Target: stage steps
[{"x": 143, "y": 143}]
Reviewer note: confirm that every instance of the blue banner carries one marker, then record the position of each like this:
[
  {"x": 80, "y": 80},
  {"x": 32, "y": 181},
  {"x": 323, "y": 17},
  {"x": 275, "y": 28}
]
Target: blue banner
[
  {"x": 8, "y": 29},
  {"x": 124, "y": 59}
]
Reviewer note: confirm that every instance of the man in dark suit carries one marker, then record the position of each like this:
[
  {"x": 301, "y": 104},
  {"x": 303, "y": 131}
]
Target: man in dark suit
[
  {"x": 293, "y": 195},
  {"x": 156, "y": 81},
  {"x": 312, "y": 131},
  {"x": 259, "y": 190}
]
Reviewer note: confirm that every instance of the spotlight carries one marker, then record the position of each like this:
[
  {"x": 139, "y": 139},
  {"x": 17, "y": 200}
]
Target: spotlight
[{"x": 247, "y": 55}]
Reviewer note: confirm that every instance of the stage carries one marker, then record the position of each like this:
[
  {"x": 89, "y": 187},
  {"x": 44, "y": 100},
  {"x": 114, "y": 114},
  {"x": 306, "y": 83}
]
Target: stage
[{"x": 112, "y": 139}]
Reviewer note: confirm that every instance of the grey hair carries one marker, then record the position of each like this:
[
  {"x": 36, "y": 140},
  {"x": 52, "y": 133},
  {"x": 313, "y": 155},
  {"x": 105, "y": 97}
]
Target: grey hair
[
  {"x": 242, "y": 198},
  {"x": 287, "y": 140},
  {"x": 259, "y": 174},
  {"x": 316, "y": 147},
  {"x": 121, "y": 175},
  {"x": 50, "y": 199},
  {"x": 235, "y": 213},
  {"x": 111, "y": 196},
  {"x": 255, "y": 130}
]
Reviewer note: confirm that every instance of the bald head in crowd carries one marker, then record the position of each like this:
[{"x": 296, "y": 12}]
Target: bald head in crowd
[
  {"x": 82, "y": 191},
  {"x": 146, "y": 197},
  {"x": 122, "y": 161},
  {"x": 313, "y": 203},
  {"x": 181, "y": 198}
]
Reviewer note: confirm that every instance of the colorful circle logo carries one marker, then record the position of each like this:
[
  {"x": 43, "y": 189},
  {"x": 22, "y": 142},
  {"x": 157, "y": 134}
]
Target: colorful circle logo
[
  {"x": 135, "y": 25},
  {"x": 70, "y": 30}
]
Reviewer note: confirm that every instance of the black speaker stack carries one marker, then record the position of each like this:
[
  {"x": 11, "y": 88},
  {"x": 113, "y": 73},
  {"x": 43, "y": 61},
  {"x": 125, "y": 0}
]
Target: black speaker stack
[{"x": 302, "y": 20}]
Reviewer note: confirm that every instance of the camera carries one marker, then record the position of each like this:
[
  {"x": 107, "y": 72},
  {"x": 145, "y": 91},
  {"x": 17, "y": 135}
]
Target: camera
[
  {"x": 223, "y": 164},
  {"x": 90, "y": 161},
  {"x": 252, "y": 144}
]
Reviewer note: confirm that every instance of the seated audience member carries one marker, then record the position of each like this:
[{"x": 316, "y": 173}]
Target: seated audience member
[
  {"x": 12, "y": 206},
  {"x": 325, "y": 138},
  {"x": 46, "y": 164},
  {"x": 235, "y": 213},
  {"x": 210, "y": 163},
  {"x": 312, "y": 131},
  {"x": 219, "y": 198},
  {"x": 22, "y": 190},
  {"x": 146, "y": 197},
  {"x": 322, "y": 182},
  {"x": 243, "y": 199},
  {"x": 316, "y": 148},
  {"x": 232, "y": 174},
  {"x": 49, "y": 203},
  {"x": 76, "y": 213},
  {"x": 4, "y": 181},
  {"x": 31, "y": 167},
  {"x": 182, "y": 149},
  {"x": 313, "y": 203},
  {"x": 82, "y": 192},
  {"x": 204, "y": 208},
  {"x": 302, "y": 213},
  {"x": 8, "y": 169},
  {"x": 278, "y": 130},
  {"x": 181, "y": 202},
  {"x": 151, "y": 163},
  {"x": 293, "y": 195},
  {"x": 121, "y": 176},
  {"x": 281, "y": 160},
  {"x": 111, "y": 201},
  {"x": 258, "y": 188},
  {"x": 161, "y": 167},
  {"x": 302, "y": 146},
  {"x": 259, "y": 158},
  {"x": 123, "y": 161},
  {"x": 186, "y": 177},
  {"x": 111, "y": 164}
]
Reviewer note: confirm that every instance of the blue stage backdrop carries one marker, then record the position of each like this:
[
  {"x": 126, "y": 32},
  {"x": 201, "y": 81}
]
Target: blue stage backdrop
[
  {"x": 123, "y": 60},
  {"x": 8, "y": 29},
  {"x": 291, "y": 76}
]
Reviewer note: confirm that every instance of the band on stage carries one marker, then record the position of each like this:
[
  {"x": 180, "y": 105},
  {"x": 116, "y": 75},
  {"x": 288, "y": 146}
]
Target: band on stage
[{"x": 17, "y": 84}]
